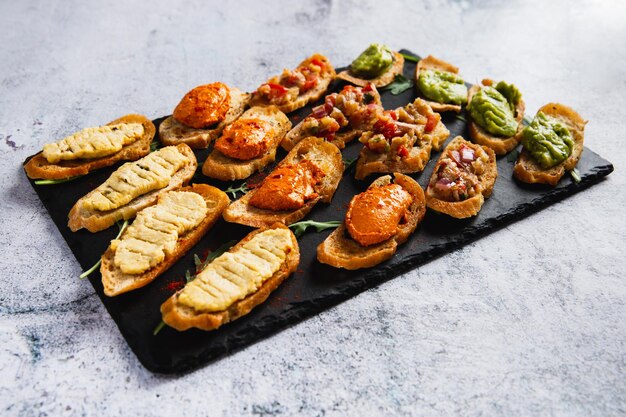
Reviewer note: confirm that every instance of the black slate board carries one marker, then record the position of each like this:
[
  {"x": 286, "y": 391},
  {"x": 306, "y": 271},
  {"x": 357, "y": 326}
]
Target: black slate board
[{"x": 314, "y": 287}]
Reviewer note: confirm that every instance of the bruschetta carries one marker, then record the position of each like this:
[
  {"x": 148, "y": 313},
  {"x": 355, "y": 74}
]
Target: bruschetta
[
  {"x": 310, "y": 173},
  {"x": 235, "y": 282},
  {"x": 125, "y": 139},
  {"x": 377, "y": 65},
  {"x": 294, "y": 89},
  {"x": 462, "y": 178},
  {"x": 202, "y": 114},
  {"x": 248, "y": 144},
  {"x": 440, "y": 84},
  {"x": 159, "y": 236},
  {"x": 132, "y": 187},
  {"x": 377, "y": 221},
  {"x": 552, "y": 144}
]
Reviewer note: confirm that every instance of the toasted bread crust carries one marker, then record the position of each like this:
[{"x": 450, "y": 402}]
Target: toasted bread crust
[
  {"x": 172, "y": 132},
  {"x": 430, "y": 62},
  {"x": 39, "y": 168},
  {"x": 382, "y": 80},
  {"x": 115, "y": 282},
  {"x": 222, "y": 167},
  {"x": 341, "y": 251},
  {"x": 527, "y": 170},
  {"x": 471, "y": 206},
  {"x": 303, "y": 99},
  {"x": 500, "y": 145},
  {"x": 182, "y": 317},
  {"x": 94, "y": 221},
  {"x": 325, "y": 155}
]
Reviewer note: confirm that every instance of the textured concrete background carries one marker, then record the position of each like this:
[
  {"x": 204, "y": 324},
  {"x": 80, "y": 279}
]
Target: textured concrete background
[{"x": 528, "y": 321}]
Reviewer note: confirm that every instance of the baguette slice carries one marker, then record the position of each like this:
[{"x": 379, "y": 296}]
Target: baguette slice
[
  {"x": 39, "y": 168},
  {"x": 325, "y": 155},
  {"x": 471, "y": 206},
  {"x": 382, "y": 80},
  {"x": 341, "y": 251},
  {"x": 430, "y": 62},
  {"x": 303, "y": 99},
  {"x": 500, "y": 145},
  {"x": 342, "y": 137},
  {"x": 222, "y": 167},
  {"x": 116, "y": 282},
  {"x": 95, "y": 221},
  {"x": 527, "y": 170},
  {"x": 182, "y": 317},
  {"x": 172, "y": 132}
]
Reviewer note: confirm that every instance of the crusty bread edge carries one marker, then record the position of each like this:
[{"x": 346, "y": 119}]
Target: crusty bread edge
[
  {"x": 39, "y": 168},
  {"x": 110, "y": 273},
  {"x": 183, "y": 318},
  {"x": 95, "y": 222}
]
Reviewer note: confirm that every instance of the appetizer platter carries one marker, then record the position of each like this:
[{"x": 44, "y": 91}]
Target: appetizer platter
[{"x": 262, "y": 209}]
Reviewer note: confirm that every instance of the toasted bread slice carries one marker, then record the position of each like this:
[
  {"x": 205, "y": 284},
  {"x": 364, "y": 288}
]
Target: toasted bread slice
[
  {"x": 222, "y": 167},
  {"x": 325, "y": 155},
  {"x": 182, "y": 317},
  {"x": 94, "y": 220},
  {"x": 372, "y": 162},
  {"x": 382, "y": 80},
  {"x": 342, "y": 137},
  {"x": 527, "y": 170},
  {"x": 172, "y": 132},
  {"x": 430, "y": 62},
  {"x": 39, "y": 168},
  {"x": 326, "y": 77},
  {"x": 471, "y": 206},
  {"x": 500, "y": 145},
  {"x": 341, "y": 251},
  {"x": 116, "y": 282}
]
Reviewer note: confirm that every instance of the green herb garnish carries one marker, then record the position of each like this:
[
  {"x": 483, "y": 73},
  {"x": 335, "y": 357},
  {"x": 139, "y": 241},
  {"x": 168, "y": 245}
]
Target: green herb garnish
[
  {"x": 512, "y": 156},
  {"x": 154, "y": 145},
  {"x": 410, "y": 57},
  {"x": 243, "y": 188},
  {"x": 460, "y": 117},
  {"x": 53, "y": 182},
  {"x": 575, "y": 175},
  {"x": 349, "y": 163},
  {"x": 399, "y": 85},
  {"x": 300, "y": 227},
  {"x": 159, "y": 327},
  {"x": 88, "y": 272}
]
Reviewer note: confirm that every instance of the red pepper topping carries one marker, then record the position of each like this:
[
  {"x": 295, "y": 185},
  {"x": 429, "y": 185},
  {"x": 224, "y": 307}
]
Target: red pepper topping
[
  {"x": 403, "y": 151},
  {"x": 368, "y": 88},
  {"x": 432, "y": 121},
  {"x": 317, "y": 62},
  {"x": 278, "y": 89},
  {"x": 393, "y": 115}
]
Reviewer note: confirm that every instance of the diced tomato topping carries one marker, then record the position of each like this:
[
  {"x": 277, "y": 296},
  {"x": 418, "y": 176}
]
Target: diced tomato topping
[
  {"x": 368, "y": 88},
  {"x": 403, "y": 151},
  {"x": 277, "y": 89},
  {"x": 393, "y": 115},
  {"x": 317, "y": 62},
  {"x": 319, "y": 111},
  {"x": 308, "y": 84},
  {"x": 389, "y": 130},
  {"x": 330, "y": 137},
  {"x": 432, "y": 121}
]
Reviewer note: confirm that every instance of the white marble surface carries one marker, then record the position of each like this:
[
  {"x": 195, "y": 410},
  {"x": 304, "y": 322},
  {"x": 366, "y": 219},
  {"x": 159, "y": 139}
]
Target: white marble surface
[{"x": 530, "y": 320}]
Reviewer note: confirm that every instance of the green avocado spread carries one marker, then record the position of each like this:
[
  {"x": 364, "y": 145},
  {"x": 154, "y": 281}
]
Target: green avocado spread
[
  {"x": 372, "y": 62},
  {"x": 548, "y": 141},
  {"x": 493, "y": 109},
  {"x": 442, "y": 86}
]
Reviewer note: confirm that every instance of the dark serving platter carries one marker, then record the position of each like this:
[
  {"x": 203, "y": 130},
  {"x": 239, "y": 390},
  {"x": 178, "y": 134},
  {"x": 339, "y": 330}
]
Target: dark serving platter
[{"x": 314, "y": 287}]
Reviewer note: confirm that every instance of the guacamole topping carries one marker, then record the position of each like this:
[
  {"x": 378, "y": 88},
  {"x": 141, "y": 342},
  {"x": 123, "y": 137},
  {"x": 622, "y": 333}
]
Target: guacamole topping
[
  {"x": 442, "y": 86},
  {"x": 548, "y": 141},
  {"x": 372, "y": 62},
  {"x": 491, "y": 109}
]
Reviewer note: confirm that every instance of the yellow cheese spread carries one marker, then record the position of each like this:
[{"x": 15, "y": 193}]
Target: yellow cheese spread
[
  {"x": 156, "y": 229},
  {"x": 133, "y": 179},
  {"x": 234, "y": 275},
  {"x": 93, "y": 142}
]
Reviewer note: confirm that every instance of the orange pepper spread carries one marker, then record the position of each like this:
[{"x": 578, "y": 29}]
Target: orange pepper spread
[
  {"x": 373, "y": 216},
  {"x": 288, "y": 187},
  {"x": 203, "y": 106},
  {"x": 245, "y": 139}
]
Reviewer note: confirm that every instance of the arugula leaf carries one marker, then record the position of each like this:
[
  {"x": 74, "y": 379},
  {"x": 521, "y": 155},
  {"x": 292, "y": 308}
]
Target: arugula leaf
[
  {"x": 300, "y": 227},
  {"x": 410, "y": 57},
  {"x": 575, "y": 175},
  {"x": 243, "y": 188},
  {"x": 512, "y": 156},
  {"x": 159, "y": 327},
  {"x": 88, "y": 272},
  {"x": 53, "y": 182},
  {"x": 460, "y": 117},
  {"x": 399, "y": 85},
  {"x": 349, "y": 163},
  {"x": 154, "y": 145}
]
